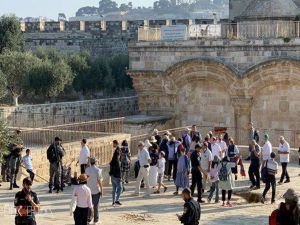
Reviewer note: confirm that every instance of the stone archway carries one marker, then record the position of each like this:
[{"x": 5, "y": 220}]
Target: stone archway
[
  {"x": 275, "y": 87},
  {"x": 202, "y": 91}
]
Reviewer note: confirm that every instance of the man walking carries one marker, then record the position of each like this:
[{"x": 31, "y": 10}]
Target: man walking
[
  {"x": 55, "y": 154},
  {"x": 196, "y": 173},
  {"x": 173, "y": 145},
  {"x": 26, "y": 203},
  {"x": 95, "y": 184},
  {"x": 254, "y": 165},
  {"x": 192, "y": 211},
  {"x": 84, "y": 156},
  {"x": 266, "y": 150},
  {"x": 284, "y": 154},
  {"x": 205, "y": 163},
  {"x": 144, "y": 160}
]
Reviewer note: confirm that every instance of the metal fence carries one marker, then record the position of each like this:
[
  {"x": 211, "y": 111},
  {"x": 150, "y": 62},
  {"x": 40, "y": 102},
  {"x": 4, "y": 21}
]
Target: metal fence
[
  {"x": 242, "y": 30},
  {"x": 114, "y": 125}
]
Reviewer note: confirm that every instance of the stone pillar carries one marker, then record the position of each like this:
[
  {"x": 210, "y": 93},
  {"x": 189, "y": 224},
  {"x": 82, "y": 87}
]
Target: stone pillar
[
  {"x": 168, "y": 22},
  {"x": 62, "y": 26},
  {"x": 242, "y": 116},
  {"x": 82, "y": 26}
]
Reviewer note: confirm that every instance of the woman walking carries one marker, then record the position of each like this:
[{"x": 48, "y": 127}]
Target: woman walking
[
  {"x": 115, "y": 173},
  {"x": 226, "y": 182},
  {"x": 125, "y": 162},
  {"x": 153, "y": 173},
  {"x": 183, "y": 168}
]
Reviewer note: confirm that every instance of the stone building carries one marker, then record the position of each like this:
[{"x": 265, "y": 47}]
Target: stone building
[{"x": 223, "y": 82}]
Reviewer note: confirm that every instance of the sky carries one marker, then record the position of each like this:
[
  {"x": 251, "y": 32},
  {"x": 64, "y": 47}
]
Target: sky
[{"x": 51, "y": 8}]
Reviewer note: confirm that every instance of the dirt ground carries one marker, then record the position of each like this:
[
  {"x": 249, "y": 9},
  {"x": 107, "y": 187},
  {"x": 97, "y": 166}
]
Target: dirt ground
[{"x": 157, "y": 210}]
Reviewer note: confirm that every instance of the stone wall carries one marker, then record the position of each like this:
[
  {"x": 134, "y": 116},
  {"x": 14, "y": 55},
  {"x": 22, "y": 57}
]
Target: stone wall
[
  {"x": 222, "y": 83},
  {"x": 68, "y": 112},
  {"x": 101, "y": 148}
]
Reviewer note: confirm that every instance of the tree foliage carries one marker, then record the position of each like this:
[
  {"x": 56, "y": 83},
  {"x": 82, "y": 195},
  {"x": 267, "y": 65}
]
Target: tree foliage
[
  {"x": 4, "y": 140},
  {"x": 16, "y": 67},
  {"x": 11, "y": 37},
  {"x": 106, "y": 6}
]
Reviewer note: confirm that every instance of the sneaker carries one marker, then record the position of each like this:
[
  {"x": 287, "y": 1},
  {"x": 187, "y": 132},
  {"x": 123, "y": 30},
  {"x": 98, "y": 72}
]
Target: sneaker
[
  {"x": 217, "y": 201},
  {"x": 252, "y": 186},
  {"x": 223, "y": 204},
  {"x": 15, "y": 186},
  {"x": 175, "y": 193},
  {"x": 50, "y": 191},
  {"x": 118, "y": 203},
  {"x": 126, "y": 181},
  {"x": 97, "y": 223},
  {"x": 262, "y": 200},
  {"x": 165, "y": 189},
  {"x": 287, "y": 181},
  {"x": 229, "y": 204},
  {"x": 279, "y": 183},
  {"x": 235, "y": 177},
  {"x": 273, "y": 202}
]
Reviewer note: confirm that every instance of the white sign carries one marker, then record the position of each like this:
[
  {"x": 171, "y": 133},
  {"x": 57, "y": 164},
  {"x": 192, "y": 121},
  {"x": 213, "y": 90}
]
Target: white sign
[{"x": 174, "y": 33}]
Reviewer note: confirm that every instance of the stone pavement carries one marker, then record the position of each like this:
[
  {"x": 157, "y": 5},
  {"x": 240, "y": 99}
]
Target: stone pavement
[{"x": 158, "y": 210}]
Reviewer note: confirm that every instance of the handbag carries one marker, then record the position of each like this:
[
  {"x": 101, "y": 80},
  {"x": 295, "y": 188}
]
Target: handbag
[{"x": 264, "y": 173}]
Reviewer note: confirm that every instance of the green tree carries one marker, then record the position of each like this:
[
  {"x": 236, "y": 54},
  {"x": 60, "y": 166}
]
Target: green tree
[
  {"x": 16, "y": 67},
  {"x": 11, "y": 37},
  {"x": 3, "y": 85},
  {"x": 119, "y": 65},
  {"x": 106, "y": 6},
  {"x": 49, "y": 79},
  {"x": 99, "y": 77},
  {"x": 4, "y": 140}
]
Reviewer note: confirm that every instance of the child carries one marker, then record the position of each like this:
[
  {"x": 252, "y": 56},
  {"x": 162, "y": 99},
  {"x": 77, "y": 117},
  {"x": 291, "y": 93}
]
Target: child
[
  {"x": 161, "y": 170},
  {"x": 214, "y": 177},
  {"x": 26, "y": 160}
]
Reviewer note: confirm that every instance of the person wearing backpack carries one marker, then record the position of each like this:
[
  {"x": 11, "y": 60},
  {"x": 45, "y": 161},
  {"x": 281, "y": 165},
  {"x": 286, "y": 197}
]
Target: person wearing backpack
[
  {"x": 272, "y": 168},
  {"x": 226, "y": 182}
]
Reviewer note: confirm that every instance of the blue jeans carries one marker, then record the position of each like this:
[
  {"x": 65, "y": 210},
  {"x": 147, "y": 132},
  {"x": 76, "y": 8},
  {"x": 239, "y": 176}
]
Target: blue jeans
[
  {"x": 117, "y": 188},
  {"x": 214, "y": 187}
]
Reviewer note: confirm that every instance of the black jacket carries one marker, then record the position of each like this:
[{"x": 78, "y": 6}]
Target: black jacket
[
  {"x": 191, "y": 213},
  {"x": 115, "y": 169},
  {"x": 55, "y": 153}
]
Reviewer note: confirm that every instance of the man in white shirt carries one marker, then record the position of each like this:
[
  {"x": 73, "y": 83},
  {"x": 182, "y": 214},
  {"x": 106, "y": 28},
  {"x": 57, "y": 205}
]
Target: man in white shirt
[
  {"x": 215, "y": 148},
  {"x": 266, "y": 150},
  {"x": 284, "y": 153},
  {"x": 95, "y": 184},
  {"x": 84, "y": 156},
  {"x": 27, "y": 161},
  {"x": 205, "y": 164},
  {"x": 222, "y": 145},
  {"x": 144, "y": 160}
]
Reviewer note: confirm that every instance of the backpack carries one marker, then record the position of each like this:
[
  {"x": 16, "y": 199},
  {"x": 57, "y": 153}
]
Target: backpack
[
  {"x": 223, "y": 174},
  {"x": 273, "y": 218},
  {"x": 256, "y": 136}
]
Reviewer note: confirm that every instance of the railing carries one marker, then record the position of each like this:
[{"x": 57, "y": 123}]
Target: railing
[
  {"x": 114, "y": 125},
  {"x": 242, "y": 30}
]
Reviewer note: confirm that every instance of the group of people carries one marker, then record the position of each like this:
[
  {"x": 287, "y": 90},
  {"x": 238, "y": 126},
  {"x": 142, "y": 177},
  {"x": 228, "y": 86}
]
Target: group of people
[{"x": 211, "y": 162}]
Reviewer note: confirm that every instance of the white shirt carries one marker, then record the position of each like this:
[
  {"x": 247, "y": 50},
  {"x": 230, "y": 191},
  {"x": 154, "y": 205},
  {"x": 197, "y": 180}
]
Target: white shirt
[
  {"x": 83, "y": 195},
  {"x": 161, "y": 165},
  {"x": 223, "y": 147},
  {"x": 84, "y": 155},
  {"x": 27, "y": 162},
  {"x": 144, "y": 157},
  {"x": 95, "y": 175},
  {"x": 272, "y": 165},
  {"x": 215, "y": 150},
  {"x": 266, "y": 150},
  {"x": 285, "y": 147}
]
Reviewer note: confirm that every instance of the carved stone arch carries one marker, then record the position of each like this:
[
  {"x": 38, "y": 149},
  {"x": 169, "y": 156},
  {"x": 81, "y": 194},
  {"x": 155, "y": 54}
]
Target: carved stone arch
[
  {"x": 203, "y": 69},
  {"x": 272, "y": 72}
]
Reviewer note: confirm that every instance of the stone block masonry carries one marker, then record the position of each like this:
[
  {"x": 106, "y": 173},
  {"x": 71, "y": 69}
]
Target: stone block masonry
[{"x": 68, "y": 112}]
